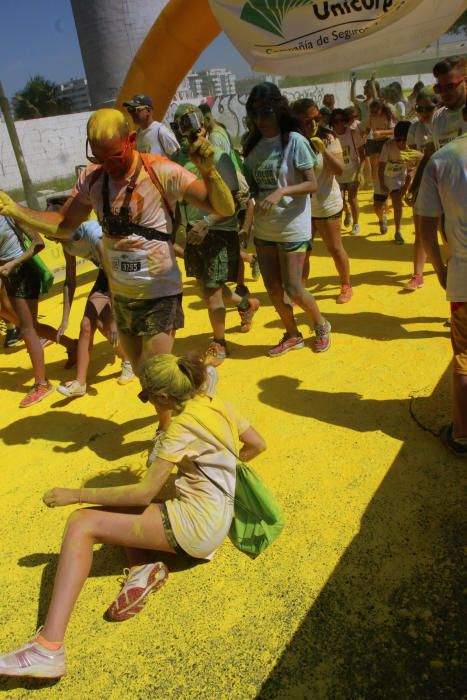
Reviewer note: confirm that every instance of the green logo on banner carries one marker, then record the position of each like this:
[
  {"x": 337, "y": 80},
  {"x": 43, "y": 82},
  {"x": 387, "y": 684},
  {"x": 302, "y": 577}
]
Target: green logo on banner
[{"x": 269, "y": 14}]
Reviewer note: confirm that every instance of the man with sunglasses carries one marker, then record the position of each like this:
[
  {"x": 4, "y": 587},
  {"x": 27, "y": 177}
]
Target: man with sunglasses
[
  {"x": 151, "y": 136},
  {"x": 133, "y": 196},
  {"x": 450, "y": 85}
]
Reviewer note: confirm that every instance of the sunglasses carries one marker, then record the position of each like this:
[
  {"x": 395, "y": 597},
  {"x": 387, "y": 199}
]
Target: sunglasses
[
  {"x": 338, "y": 120},
  {"x": 426, "y": 110},
  {"x": 132, "y": 110},
  {"x": 119, "y": 157},
  {"x": 449, "y": 87}
]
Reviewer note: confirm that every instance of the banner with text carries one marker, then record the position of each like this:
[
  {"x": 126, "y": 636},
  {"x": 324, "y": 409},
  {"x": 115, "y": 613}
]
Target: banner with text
[{"x": 311, "y": 37}]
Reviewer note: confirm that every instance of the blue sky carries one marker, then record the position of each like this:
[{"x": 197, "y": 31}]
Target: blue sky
[{"x": 39, "y": 37}]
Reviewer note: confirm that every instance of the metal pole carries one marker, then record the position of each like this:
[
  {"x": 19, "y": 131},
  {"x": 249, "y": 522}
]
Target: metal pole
[{"x": 28, "y": 188}]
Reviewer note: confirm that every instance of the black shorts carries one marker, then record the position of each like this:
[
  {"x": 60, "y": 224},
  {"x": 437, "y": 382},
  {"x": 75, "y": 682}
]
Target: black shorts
[
  {"x": 331, "y": 217},
  {"x": 373, "y": 146},
  {"x": 101, "y": 284},
  {"x": 383, "y": 197},
  {"x": 148, "y": 316},
  {"x": 24, "y": 282}
]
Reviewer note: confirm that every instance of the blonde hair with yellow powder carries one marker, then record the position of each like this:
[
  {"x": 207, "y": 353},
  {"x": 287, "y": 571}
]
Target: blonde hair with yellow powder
[
  {"x": 105, "y": 124},
  {"x": 178, "y": 377}
]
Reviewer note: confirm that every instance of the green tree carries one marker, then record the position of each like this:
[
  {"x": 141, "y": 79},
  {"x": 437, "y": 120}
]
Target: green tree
[{"x": 39, "y": 98}]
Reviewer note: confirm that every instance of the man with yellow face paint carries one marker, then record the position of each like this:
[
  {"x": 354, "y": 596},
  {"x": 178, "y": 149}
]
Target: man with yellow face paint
[{"x": 134, "y": 201}]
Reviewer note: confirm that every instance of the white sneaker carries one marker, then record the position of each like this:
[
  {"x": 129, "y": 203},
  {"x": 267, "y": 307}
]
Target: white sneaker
[
  {"x": 157, "y": 442},
  {"x": 72, "y": 389},
  {"x": 355, "y": 230},
  {"x": 34, "y": 660},
  {"x": 140, "y": 581},
  {"x": 127, "y": 375}
]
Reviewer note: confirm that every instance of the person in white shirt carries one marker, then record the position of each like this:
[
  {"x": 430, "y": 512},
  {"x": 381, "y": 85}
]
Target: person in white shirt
[
  {"x": 450, "y": 86},
  {"x": 151, "y": 136},
  {"x": 353, "y": 152},
  {"x": 420, "y": 137},
  {"x": 442, "y": 193},
  {"x": 326, "y": 203}
]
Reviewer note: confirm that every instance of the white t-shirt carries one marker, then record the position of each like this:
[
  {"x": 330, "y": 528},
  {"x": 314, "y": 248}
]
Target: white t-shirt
[
  {"x": 201, "y": 515},
  {"x": 446, "y": 125},
  {"x": 399, "y": 108},
  {"x": 157, "y": 139},
  {"x": 420, "y": 135},
  {"x": 269, "y": 167},
  {"x": 443, "y": 191},
  {"x": 327, "y": 200},
  {"x": 83, "y": 242},
  {"x": 395, "y": 171},
  {"x": 140, "y": 268},
  {"x": 10, "y": 247},
  {"x": 351, "y": 140}
]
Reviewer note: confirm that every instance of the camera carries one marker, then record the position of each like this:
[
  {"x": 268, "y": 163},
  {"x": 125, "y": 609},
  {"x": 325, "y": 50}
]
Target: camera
[{"x": 189, "y": 126}]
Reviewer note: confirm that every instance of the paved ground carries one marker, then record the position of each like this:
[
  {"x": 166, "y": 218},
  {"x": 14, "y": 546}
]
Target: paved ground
[{"x": 359, "y": 598}]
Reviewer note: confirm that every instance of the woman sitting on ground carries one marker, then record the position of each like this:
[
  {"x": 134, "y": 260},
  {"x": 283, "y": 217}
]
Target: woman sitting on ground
[{"x": 202, "y": 440}]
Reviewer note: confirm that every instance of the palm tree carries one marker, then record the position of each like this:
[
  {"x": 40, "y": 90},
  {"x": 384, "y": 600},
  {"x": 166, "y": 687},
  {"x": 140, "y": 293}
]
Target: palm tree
[{"x": 39, "y": 98}]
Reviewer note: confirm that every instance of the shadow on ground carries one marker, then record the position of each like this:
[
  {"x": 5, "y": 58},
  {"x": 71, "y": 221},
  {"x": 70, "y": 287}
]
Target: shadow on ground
[
  {"x": 387, "y": 623},
  {"x": 109, "y": 440}
]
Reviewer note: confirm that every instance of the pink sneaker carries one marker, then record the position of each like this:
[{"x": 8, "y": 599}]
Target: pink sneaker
[
  {"x": 139, "y": 583},
  {"x": 345, "y": 294},
  {"x": 415, "y": 282},
  {"x": 216, "y": 353},
  {"x": 37, "y": 393},
  {"x": 323, "y": 338},
  {"x": 246, "y": 316},
  {"x": 33, "y": 660},
  {"x": 285, "y": 344}
]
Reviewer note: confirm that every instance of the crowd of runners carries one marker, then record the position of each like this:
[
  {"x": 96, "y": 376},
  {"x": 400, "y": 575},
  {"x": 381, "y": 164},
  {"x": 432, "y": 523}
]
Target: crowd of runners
[{"x": 158, "y": 195}]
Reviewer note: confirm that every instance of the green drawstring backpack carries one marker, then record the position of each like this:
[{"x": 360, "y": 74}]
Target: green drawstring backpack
[{"x": 258, "y": 519}]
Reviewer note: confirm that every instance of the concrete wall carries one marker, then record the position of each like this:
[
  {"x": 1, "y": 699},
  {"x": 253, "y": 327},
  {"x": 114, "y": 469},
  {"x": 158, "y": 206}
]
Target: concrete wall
[{"x": 51, "y": 146}]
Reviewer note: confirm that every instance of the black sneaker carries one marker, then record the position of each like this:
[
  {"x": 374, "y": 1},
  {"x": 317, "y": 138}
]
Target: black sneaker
[
  {"x": 398, "y": 238},
  {"x": 458, "y": 446},
  {"x": 242, "y": 290},
  {"x": 12, "y": 337}
]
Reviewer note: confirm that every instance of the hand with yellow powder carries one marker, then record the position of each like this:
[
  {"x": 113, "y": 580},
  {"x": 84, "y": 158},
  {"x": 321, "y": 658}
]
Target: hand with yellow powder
[
  {"x": 202, "y": 155},
  {"x": 60, "y": 497},
  {"x": 318, "y": 144},
  {"x": 7, "y": 206}
]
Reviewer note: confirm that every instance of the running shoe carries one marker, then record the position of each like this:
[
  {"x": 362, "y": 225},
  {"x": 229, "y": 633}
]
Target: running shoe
[
  {"x": 242, "y": 290},
  {"x": 345, "y": 294},
  {"x": 355, "y": 230},
  {"x": 255, "y": 271},
  {"x": 12, "y": 337},
  {"x": 246, "y": 315},
  {"x": 216, "y": 353},
  {"x": 347, "y": 219},
  {"x": 138, "y": 583},
  {"x": 72, "y": 356},
  {"x": 72, "y": 390},
  {"x": 398, "y": 238},
  {"x": 33, "y": 660},
  {"x": 286, "y": 344},
  {"x": 127, "y": 375},
  {"x": 323, "y": 337},
  {"x": 458, "y": 446},
  {"x": 157, "y": 441},
  {"x": 415, "y": 282},
  {"x": 37, "y": 393},
  {"x": 383, "y": 225}
]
